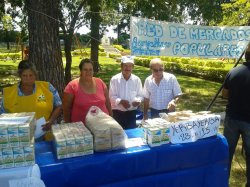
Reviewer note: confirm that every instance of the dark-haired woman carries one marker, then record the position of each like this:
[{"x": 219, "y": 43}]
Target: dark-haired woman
[
  {"x": 30, "y": 95},
  {"x": 82, "y": 93}
]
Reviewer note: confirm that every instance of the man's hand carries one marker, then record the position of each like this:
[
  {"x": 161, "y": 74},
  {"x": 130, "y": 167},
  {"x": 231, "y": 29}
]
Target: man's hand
[
  {"x": 125, "y": 104},
  {"x": 171, "y": 106},
  {"x": 136, "y": 103}
]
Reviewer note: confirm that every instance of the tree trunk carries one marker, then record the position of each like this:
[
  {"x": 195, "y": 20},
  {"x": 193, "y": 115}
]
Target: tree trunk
[
  {"x": 119, "y": 30},
  {"x": 67, "y": 49},
  {"x": 7, "y": 39},
  {"x": 44, "y": 43},
  {"x": 95, "y": 35}
]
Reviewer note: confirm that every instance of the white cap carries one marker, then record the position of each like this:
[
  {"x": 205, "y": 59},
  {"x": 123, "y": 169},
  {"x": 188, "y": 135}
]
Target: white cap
[{"x": 127, "y": 59}]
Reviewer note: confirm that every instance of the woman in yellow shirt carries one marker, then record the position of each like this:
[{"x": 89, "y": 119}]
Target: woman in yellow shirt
[{"x": 30, "y": 95}]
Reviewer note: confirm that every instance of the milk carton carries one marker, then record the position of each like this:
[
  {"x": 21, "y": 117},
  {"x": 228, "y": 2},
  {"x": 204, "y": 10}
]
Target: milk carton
[
  {"x": 88, "y": 142},
  {"x": 165, "y": 134},
  {"x": 4, "y": 138},
  {"x": 29, "y": 156},
  {"x": 18, "y": 156},
  {"x": 13, "y": 135},
  {"x": 24, "y": 134},
  {"x": 1, "y": 159},
  {"x": 7, "y": 158},
  {"x": 154, "y": 136},
  {"x": 60, "y": 143},
  {"x": 79, "y": 144},
  {"x": 70, "y": 143}
]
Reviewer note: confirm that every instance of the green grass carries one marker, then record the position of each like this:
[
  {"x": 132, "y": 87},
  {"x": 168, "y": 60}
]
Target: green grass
[{"x": 198, "y": 93}]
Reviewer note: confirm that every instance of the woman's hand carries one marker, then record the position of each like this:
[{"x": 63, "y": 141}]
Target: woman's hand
[{"x": 47, "y": 126}]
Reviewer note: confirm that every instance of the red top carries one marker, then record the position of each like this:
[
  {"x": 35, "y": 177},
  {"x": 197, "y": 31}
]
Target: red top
[{"x": 83, "y": 101}]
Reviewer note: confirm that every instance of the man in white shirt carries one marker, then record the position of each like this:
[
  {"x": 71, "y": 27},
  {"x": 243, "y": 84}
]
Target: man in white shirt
[
  {"x": 125, "y": 94},
  {"x": 161, "y": 90}
]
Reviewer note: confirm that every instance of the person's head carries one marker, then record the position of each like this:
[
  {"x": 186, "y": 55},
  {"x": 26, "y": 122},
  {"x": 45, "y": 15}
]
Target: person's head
[
  {"x": 27, "y": 72},
  {"x": 156, "y": 67},
  {"x": 127, "y": 65},
  {"x": 86, "y": 68}
]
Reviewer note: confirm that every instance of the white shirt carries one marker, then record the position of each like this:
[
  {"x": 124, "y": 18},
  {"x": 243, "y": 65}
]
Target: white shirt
[
  {"x": 122, "y": 89},
  {"x": 160, "y": 95}
]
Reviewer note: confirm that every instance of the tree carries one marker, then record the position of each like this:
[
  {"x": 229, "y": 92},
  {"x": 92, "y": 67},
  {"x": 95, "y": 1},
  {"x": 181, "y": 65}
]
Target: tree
[
  {"x": 70, "y": 19},
  {"x": 7, "y": 27},
  {"x": 95, "y": 7},
  {"x": 2, "y": 11},
  {"x": 44, "y": 42},
  {"x": 236, "y": 13},
  {"x": 204, "y": 12}
]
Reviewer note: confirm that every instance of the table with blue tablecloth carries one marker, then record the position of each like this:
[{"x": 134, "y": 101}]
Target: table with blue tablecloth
[{"x": 199, "y": 164}]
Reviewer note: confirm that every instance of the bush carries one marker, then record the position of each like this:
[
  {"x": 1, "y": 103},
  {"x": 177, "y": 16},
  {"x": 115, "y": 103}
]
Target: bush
[
  {"x": 101, "y": 49},
  {"x": 112, "y": 55},
  {"x": 119, "y": 47},
  {"x": 12, "y": 56},
  {"x": 207, "y": 69},
  {"x": 102, "y": 53}
]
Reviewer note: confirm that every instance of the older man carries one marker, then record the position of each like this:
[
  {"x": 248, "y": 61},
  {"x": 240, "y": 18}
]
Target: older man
[
  {"x": 125, "y": 94},
  {"x": 161, "y": 90}
]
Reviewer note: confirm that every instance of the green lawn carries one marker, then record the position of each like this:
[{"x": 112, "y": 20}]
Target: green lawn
[{"x": 198, "y": 93}]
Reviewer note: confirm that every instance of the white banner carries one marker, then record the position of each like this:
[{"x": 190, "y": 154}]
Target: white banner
[
  {"x": 190, "y": 131},
  {"x": 158, "y": 38}
]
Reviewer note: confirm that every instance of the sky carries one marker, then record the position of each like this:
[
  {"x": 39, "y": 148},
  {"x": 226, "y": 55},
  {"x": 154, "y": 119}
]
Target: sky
[{"x": 110, "y": 33}]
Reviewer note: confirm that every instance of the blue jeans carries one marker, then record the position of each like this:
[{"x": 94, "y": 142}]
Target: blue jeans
[
  {"x": 126, "y": 119},
  {"x": 155, "y": 113},
  {"x": 232, "y": 131}
]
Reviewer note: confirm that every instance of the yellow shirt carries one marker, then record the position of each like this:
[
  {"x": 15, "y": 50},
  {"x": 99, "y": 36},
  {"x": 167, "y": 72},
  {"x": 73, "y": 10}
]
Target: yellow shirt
[{"x": 41, "y": 101}]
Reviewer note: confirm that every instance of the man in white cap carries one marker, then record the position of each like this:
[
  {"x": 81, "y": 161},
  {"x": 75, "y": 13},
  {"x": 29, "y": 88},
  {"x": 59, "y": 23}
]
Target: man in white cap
[
  {"x": 125, "y": 94},
  {"x": 237, "y": 122}
]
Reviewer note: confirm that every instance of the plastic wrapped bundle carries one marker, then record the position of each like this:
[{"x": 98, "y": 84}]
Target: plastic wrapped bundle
[{"x": 108, "y": 134}]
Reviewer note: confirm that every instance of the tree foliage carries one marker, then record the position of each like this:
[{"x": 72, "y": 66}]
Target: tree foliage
[
  {"x": 203, "y": 12},
  {"x": 236, "y": 13}
]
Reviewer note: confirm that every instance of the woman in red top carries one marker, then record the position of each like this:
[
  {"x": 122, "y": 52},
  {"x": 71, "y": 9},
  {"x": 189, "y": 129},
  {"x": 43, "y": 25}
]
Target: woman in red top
[{"x": 82, "y": 93}]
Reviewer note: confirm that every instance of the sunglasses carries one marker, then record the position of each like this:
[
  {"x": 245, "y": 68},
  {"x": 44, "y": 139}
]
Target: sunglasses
[{"x": 157, "y": 70}]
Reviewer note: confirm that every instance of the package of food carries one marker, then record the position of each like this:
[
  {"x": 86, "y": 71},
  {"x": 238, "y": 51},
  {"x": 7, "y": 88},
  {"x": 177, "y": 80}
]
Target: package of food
[
  {"x": 4, "y": 138},
  {"x": 72, "y": 140},
  {"x": 108, "y": 134},
  {"x": 19, "y": 119},
  {"x": 29, "y": 155},
  {"x": 7, "y": 158}
]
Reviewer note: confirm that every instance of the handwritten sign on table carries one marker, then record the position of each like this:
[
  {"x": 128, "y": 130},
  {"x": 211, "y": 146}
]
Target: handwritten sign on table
[{"x": 192, "y": 130}]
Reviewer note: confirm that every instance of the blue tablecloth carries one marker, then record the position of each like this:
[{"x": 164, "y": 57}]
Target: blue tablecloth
[{"x": 199, "y": 164}]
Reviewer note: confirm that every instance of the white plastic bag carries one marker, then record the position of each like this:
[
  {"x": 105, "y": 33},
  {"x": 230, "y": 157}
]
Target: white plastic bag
[{"x": 108, "y": 134}]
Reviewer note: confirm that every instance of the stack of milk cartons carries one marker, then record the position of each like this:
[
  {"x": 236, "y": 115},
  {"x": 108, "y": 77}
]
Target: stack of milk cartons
[
  {"x": 17, "y": 139},
  {"x": 72, "y": 139},
  {"x": 156, "y": 131}
]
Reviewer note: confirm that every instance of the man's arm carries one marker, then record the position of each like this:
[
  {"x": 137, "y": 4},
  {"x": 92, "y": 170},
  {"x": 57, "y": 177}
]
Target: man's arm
[
  {"x": 225, "y": 93},
  {"x": 145, "y": 108}
]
